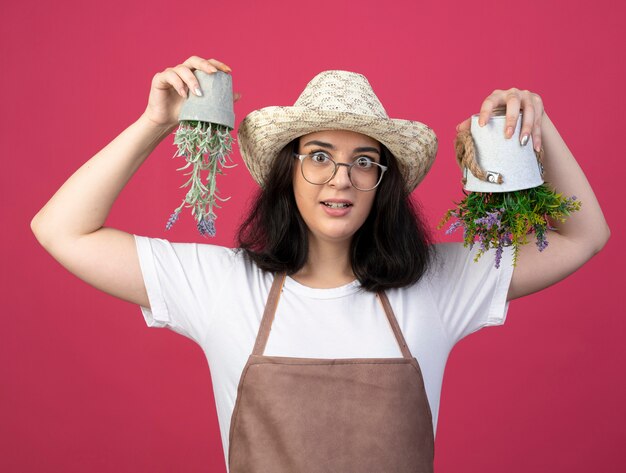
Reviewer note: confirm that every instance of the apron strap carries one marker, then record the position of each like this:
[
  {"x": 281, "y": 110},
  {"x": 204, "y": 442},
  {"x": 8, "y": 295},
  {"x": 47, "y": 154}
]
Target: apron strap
[
  {"x": 272, "y": 303},
  {"x": 268, "y": 314},
  {"x": 404, "y": 348}
]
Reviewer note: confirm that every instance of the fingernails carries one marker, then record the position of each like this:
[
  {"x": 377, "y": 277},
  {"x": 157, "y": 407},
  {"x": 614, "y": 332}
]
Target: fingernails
[
  {"x": 524, "y": 140},
  {"x": 228, "y": 69},
  {"x": 509, "y": 131},
  {"x": 198, "y": 92},
  {"x": 182, "y": 92}
]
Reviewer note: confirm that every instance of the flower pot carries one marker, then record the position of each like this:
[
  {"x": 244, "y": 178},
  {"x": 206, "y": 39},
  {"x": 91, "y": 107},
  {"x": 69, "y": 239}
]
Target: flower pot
[
  {"x": 203, "y": 139},
  {"x": 216, "y": 103},
  {"x": 507, "y": 198},
  {"x": 501, "y": 164}
]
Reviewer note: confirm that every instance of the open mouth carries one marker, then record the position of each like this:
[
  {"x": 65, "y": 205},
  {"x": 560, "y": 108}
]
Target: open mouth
[{"x": 337, "y": 205}]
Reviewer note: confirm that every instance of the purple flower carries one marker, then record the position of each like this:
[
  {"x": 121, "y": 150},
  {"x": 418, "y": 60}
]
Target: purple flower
[
  {"x": 483, "y": 242},
  {"x": 499, "y": 250},
  {"x": 206, "y": 226},
  {"x": 503, "y": 241},
  {"x": 490, "y": 220},
  {"x": 172, "y": 220},
  {"x": 453, "y": 227},
  {"x": 466, "y": 237},
  {"x": 542, "y": 243}
]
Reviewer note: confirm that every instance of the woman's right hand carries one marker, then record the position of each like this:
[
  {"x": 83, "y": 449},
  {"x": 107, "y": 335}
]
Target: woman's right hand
[
  {"x": 170, "y": 88},
  {"x": 71, "y": 225}
]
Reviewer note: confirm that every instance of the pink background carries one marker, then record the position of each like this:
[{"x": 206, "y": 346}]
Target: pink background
[{"x": 85, "y": 386}]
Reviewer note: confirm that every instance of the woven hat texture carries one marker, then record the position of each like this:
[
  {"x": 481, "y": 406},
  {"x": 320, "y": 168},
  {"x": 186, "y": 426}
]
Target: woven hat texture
[{"x": 336, "y": 100}]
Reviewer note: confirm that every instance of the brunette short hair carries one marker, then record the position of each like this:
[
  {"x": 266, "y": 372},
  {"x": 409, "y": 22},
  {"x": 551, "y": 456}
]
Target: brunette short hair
[{"x": 393, "y": 247}]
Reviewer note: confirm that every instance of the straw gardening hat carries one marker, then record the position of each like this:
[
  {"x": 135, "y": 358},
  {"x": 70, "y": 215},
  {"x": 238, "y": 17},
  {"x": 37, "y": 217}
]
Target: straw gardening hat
[{"x": 336, "y": 100}]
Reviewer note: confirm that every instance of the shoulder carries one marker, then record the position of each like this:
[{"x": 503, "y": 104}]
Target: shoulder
[
  {"x": 164, "y": 245},
  {"x": 443, "y": 250},
  {"x": 446, "y": 256},
  {"x": 198, "y": 255},
  {"x": 453, "y": 262}
]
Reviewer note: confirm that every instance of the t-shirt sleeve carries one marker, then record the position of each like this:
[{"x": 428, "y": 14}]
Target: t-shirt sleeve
[
  {"x": 182, "y": 281},
  {"x": 470, "y": 295}
]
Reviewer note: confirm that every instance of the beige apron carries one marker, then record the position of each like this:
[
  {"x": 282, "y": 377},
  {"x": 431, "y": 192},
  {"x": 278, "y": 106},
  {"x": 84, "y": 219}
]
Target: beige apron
[{"x": 308, "y": 415}]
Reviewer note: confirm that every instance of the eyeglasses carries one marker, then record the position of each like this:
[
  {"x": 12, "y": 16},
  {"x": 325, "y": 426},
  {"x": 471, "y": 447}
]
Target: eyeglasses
[{"x": 319, "y": 168}]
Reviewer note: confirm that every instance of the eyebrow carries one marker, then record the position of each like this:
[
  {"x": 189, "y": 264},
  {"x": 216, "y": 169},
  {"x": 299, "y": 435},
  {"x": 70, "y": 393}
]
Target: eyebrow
[{"x": 362, "y": 149}]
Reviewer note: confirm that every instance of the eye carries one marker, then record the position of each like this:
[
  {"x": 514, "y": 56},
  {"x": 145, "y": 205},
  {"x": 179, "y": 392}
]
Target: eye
[
  {"x": 364, "y": 162},
  {"x": 320, "y": 157}
]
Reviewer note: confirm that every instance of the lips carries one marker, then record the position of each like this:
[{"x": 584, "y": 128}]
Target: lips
[
  {"x": 336, "y": 204},
  {"x": 336, "y": 207}
]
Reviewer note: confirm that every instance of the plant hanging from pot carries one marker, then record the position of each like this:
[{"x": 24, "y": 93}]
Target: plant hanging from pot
[
  {"x": 508, "y": 198},
  {"x": 203, "y": 138}
]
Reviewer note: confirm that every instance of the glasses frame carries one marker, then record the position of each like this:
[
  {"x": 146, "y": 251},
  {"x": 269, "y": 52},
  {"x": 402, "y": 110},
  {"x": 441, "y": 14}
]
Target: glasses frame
[{"x": 301, "y": 157}]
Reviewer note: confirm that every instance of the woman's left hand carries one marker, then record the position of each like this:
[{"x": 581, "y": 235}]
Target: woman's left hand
[{"x": 514, "y": 100}]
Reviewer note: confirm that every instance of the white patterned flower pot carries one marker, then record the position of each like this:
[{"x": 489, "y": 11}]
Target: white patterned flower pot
[{"x": 507, "y": 165}]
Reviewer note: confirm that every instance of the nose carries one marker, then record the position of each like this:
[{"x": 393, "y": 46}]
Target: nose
[{"x": 341, "y": 179}]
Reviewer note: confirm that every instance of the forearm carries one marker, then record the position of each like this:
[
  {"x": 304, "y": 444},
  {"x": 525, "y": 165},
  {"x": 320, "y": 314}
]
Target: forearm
[
  {"x": 83, "y": 203},
  {"x": 561, "y": 171}
]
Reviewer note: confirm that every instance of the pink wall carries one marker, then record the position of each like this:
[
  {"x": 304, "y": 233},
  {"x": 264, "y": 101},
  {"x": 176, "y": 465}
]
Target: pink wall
[{"x": 85, "y": 386}]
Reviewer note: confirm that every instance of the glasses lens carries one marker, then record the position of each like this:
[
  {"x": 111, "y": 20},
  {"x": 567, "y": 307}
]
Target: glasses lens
[
  {"x": 365, "y": 174},
  {"x": 317, "y": 168}
]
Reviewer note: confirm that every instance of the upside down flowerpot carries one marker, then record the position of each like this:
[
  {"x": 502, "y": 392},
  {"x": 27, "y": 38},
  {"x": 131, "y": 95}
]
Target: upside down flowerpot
[
  {"x": 203, "y": 139},
  {"x": 508, "y": 166},
  {"x": 505, "y": 195},
  {"x": 215, "y": 105}
]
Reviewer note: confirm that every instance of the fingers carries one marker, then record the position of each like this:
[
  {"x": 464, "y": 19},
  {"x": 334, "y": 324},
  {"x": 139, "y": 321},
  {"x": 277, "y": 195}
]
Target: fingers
[
  {"x": 182, "y": 78},
  {"x": 513, "y": 101},
  {"x": 169, "y": 78},
  {"x": 464, "y": 125},
  {"x": 207, "y": 65},
  {"x": 487, "y": 107},
  {"x": 220, "y": 65},
  {"x": 532, "y": 107},
  {"x": 500, "y": 99},
  {"x": 528, "y": 119},
  {"x": 189, "y": 78},
  {"x": 536, "y": 133}
]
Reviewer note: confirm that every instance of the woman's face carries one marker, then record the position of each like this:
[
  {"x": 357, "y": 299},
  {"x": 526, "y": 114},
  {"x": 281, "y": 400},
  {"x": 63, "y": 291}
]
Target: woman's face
[{"x": 336, "y": 210}]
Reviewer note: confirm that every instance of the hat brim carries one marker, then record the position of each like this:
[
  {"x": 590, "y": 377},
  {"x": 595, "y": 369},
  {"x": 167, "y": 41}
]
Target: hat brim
[{"x": 263, "y": 133}]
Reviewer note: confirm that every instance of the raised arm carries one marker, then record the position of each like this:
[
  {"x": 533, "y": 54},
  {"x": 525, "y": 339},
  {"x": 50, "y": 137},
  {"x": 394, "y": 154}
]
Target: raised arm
[
  {"x": 585, "y": 232},
  {"x": 71, "y": 225}
]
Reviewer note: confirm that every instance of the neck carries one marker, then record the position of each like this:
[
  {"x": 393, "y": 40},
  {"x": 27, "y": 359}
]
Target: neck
[{"x": 328, "y": 265}]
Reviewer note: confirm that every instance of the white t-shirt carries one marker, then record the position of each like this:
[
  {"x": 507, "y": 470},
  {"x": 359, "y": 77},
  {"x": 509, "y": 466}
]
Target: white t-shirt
[{"x": 216, "y": 297}]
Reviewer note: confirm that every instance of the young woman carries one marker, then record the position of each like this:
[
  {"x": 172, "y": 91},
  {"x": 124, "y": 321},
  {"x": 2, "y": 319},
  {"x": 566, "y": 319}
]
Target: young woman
[{"x": 363, "y": 309}]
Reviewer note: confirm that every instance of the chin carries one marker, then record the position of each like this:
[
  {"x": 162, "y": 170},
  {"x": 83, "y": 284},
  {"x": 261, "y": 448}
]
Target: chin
[{"x": 334, "y": 235}]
